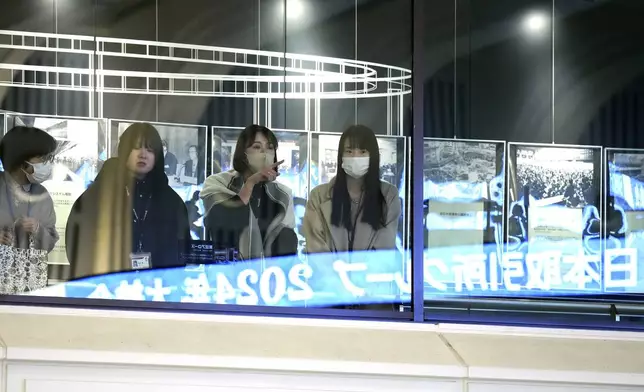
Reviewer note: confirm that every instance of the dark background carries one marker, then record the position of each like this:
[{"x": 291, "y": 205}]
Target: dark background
[
  {"x": 376, "y": 31},
  {"x": 489, "y": 79},
  {"x": 485, "y": 78}
]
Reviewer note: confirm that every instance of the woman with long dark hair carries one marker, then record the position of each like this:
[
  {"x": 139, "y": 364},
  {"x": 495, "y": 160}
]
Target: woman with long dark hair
[
  {"x": 246, "y": 209},
  {"x": 129, "y": 218},
  {"x": 355, "y": 210}
]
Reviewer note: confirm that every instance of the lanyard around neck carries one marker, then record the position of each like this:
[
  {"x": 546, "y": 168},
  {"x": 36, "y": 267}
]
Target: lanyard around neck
[
  {"x": 138, "y": 221},
  {"x": 145, "y": 213}
]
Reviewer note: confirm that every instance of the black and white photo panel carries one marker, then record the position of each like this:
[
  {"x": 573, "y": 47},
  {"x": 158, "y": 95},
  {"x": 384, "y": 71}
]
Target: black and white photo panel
[
  {"x": 554, "y": 199},
  {"x": 624, "y": 219},
  {"x": 184, "y": 148},
  {"x": 463, "y": 191},
  {"x": 81, "y": 151}
]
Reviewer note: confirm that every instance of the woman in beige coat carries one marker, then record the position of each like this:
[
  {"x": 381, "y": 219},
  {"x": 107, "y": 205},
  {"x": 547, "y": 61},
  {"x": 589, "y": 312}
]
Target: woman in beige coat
[{"x": 355, "y": 211}]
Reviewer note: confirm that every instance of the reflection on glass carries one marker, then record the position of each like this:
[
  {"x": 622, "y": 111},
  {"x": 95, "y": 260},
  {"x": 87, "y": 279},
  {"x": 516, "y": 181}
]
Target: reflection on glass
[
  {"x": 624, "y": 219},
  {"x": 464, "y": 193},
  {"x": 554, "y": 194},
  {"x": 121, "y": 209}
]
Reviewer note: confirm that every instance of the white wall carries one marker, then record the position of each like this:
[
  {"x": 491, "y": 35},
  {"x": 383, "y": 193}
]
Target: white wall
[
  {"x": 71, "y": 350},
  {"x": 527, "y": 387},
  {"x": 78, "y": 378}
]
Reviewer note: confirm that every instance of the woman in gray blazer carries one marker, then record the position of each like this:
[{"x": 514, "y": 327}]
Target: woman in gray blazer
[
  {"x": 355, "y": 211},
  {"x": 26, "y": 208}
]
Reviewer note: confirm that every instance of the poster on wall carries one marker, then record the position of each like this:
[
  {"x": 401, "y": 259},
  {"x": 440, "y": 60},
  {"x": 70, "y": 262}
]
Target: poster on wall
[
  {"x": 554, "y": 212},
  {"x": 464, "y": 194},
  {"x": 184, "y": 147},
  {"x": 463, "y": 189},
  {"x": 294, "y": 172},
  {"x": 82, "y": 149},
  {"x": 624, "y": 218}
]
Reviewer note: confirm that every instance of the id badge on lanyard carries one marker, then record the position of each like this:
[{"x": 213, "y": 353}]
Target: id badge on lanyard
[{"x": 141, "y": 260}]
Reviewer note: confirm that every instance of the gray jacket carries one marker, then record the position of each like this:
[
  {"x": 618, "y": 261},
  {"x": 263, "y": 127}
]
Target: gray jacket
[
  {"x": 222, "y": 189},
  {"x": 323, "y": 237},
  {"x": 17, "y": 202}
]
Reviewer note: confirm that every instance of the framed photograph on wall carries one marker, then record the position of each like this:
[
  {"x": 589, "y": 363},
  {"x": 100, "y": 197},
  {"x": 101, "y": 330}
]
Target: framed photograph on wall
[
  {"x": 184, "y": 163},
  {"x": 463, "y": 189},
  {"x": 624, "y": 219},
  {"x": 82, "y": 149},
  {"x": 464, "y": 204},
  {"x": 554, "y": 208}
]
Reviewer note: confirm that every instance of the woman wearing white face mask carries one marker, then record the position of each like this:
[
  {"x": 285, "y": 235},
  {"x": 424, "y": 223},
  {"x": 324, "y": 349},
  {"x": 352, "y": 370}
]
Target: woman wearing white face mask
[
  {"x": 26, "y": 208},
  {"x": 246, "y": 209},
  {"x": 355, "y": 211}
]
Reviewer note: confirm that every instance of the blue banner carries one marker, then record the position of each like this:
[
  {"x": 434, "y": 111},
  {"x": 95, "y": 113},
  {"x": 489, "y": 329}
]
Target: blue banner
[{"x": 369, "y": 277}]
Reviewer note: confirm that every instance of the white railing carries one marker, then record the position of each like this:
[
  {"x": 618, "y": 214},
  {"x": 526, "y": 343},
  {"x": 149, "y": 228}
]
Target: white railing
[{"x": 277, "y": 75}]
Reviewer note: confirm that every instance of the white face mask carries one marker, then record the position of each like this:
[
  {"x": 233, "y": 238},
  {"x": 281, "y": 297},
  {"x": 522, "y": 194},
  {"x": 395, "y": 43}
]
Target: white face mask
[
  {"x": 42, "y": 172},
  {"x": 355, "y": 167},
  {"x": 259, "y": 160}
]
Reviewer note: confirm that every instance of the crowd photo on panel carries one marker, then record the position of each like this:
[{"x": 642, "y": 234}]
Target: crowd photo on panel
[
  {"x": 130, "y": 218},
  {"x": 574, "y": 183}
]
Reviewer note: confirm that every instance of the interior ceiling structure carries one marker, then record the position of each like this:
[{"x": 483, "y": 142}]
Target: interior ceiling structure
[{"x": 383, "y": 34}]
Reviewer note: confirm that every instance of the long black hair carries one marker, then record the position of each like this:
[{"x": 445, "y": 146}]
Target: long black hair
[{"x": 374, "y": 206}]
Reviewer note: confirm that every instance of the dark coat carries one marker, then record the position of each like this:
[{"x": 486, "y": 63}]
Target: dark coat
[{"x": 101, "y": 232}]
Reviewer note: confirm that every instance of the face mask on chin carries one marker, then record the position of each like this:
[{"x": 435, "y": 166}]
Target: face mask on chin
[
  {"x": 42, "y": 172},
  {"x": 355, "y": 167},
  {"x": 259, "y": 160}
]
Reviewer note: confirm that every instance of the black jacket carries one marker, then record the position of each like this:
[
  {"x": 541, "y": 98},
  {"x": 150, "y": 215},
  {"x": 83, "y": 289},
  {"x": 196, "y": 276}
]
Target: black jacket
[{"x": 101, "y": 232}]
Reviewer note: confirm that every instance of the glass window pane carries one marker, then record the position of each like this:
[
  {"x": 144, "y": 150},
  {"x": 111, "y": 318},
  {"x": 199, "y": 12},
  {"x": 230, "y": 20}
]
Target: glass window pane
[
  {"x": 180, "y": 160},
  {"x": 553, "y": 210},
  {"x": 490, "y": 83}
]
